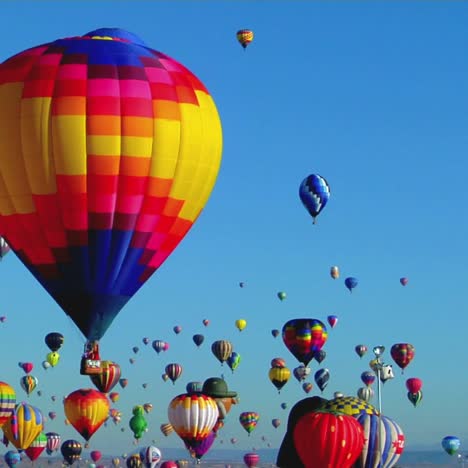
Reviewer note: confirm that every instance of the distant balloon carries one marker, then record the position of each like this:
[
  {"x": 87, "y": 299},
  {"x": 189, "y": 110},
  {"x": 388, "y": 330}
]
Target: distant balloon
[
  {"x": 241, "y": 324},
  {"x": 53, "y": 442},
  {"x": 415, "y": 398},
  {"x": 222, "y": 349},
  {"x": 249, "y": 420},
  {"x": 135, "y": 349},
  {"x": 404, "y": 281},
  {"x": 368, "y": 378},
  {"x": 414, "y": 384},
  {"x": 351, "y": 283},
  {"x": 138, "y": 423},
  {"x": 320, "y": 355},
  {"x": 245, "y": 37},
  {"x": 173, "y": 371},
  {"x": 27, "y": 366},
  {"x": 4, "y": 247},
  {"x": 198, "y": 339},
  {"x": 108, "y": 378},
  {"x": 145, "y": 340},
  {"x": 284, "y": 405},
  {"x": 281, "y": 295},
  {"x": 194, "y": 387},
  {"x": 251, "y": 459},
  {"x": 307, "y": 387},
  {"x": 71, "y": 451},
  {"x": 360, "y": 350},
  {"x": 12, "y": 458},
  {"x": 321, "y": 377},
  {"x": 402, "y": 354},
  {"x": 334, "y": 272},
  {"x": 166, "y": 429},
  {"x": 332, "y": 320},
  {"x": 241, "y": 284},
  {"x": 177, "y": 329},
  {"x": 275, "y": 332},
  {"x": 206, "y": 322},
  {"x": 233, "y": 361},
  {"x": 158, "y": 345},
  {"x": 451, "y": 444},
  {"x": 54, "y": 341},
  {"x": 365, "y": 393},
  {"x": 279, "y": 376},
  {"x": 314, "y": 193},
  {"x": 28, "y": 383},
  {"x": 123, "y": 382},
  {"x": 278, "y": 362}
]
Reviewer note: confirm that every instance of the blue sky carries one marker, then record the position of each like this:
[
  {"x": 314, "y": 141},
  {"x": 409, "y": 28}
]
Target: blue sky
[{"x": 371, "y": 95}]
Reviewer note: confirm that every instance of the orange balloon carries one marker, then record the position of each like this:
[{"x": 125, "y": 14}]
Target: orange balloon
[{"x": 86, "y": 409}]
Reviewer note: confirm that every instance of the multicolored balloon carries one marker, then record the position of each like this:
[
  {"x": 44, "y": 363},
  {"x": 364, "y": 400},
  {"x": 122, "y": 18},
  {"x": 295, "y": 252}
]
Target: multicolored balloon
[
  {"x": 279, "y": 376},
  {"x": 332, "y": 320},
  {"x": 71, "y": 451},
  {"x": 245, "y": 37},
  {"x": 87, "y": 410},
  {"x": 221, "y": 349},
  {"x": 360, "y": 350},
  {"x": 321, "y": 377},
  {"x": 53, "y": 442},
  {"x": 7, "y": 402},
  {"x": 349, "y": 405},
  {"x": 303, "y": 337},
  {"x": 108, "y": 378},
  {"x": 314, "y": 193},
  {"x": 24, "y": 425},
  {"x": 334, "y": 272},
  {"x": 122, "y": 196},
  {"x": 12, "y": 458},
  {"x": 402, "y": 354},
  {"x": 415, "y": 398},
  {"x": 37, "y": 446},
  {"x": 173, "y": 371},
  {"x": 368, "y": 378},
  {"x": 451, "y": 444},
  {"x": 28, "y": 383},
  {"x": 403, "y": 281},
  {"x": 249, "y": 420}
]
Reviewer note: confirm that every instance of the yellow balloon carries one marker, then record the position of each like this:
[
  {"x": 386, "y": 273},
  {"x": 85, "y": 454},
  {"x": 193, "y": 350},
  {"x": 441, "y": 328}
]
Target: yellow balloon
[
  {"x": 279, "y": 376},
  {"x": 53, "y": 358},
  {"x": 241, "y": 324},
  {"x": 29, "y": 424}
]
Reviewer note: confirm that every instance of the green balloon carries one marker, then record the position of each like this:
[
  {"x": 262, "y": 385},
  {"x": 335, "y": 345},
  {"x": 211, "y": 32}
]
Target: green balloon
[
  {"x": 281, "y": 295},
  {"x": 138, "y": 425}
]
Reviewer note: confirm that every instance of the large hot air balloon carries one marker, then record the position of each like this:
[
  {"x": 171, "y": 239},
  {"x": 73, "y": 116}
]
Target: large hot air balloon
[
  {"x": 249, "y": 420},
  {"x": 349, "y": 405},
  {"x": 23, "y": 426},
  {"x": 222, "y": 349},
  {"x": 7, "y": 402},
  {"x": 328, "y": 439},
  {"x": 71, "y": 451},
  {"x": 402, "y": 354},
  {"x": 245, "y": 37},
  {"x": 193, "y": 417},
  {"x": 314, "y": 193},
  {"x": 138, "y": 423},
  {"x": 86, "y": 409},
  {"x": 303, "y": 337},
  {"x": 451, "y": 444},
  {"x": 382, "y": 447},
  {"x": 109, "y": 151},
  {"x": 108, "y": 378}
]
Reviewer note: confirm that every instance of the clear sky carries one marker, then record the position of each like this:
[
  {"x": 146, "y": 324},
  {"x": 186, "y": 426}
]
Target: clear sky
[{"x": 371, "y": 95}]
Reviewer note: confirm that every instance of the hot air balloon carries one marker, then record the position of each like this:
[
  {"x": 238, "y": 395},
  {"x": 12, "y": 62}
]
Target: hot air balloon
[
  {"x": 284, "y": 405},
  {"x": 303, "y": 337},
  {"x": 7, "y": 402},
  {"x": 307, "y": 387},
  {"x": 349, "y": 405},
  {"x": 222, "y": 349},
  {"x": 115, "y": 462},
  {"x": 114, "y": 396},
  {"x": 314, "y": 193},
  {"x": 95, "y": 455},
  {"x": 135, "y": 349},
  {"x": 380, "y": 431},
  {"x": 53, "y": 358},
  {"x": 86, "y": 409},
  {"x": 249, "y": 420},
  {"x": 206, "y": 322},
  {"x": 12, "y": 458},
  {"x": 245, "y": 37},
  {"x": 301, "y": 372},
  {"x": 365, "y": 393},
  {"x": 275, "y": 332},
  {"x": 123, "y": 382},
  {"x": 134, "y": 461},
  {"x": 281, "y": 295},
  {"x": 241, "y": 324},
  {"x": 166, "y": 429},
  {"x": 332, "y": 320},
  {"x": 159, "y": 345},
  {"x": 451, "y": 444},
  {"x": 148, "y": 407},
  {"x": 26, "y": 366},
  {"x": 279, "y": 376},
  {"x": 23, "y": 426},
  {"x": 198, "y": 340},
  {"x": 37, "y": 447},
  {"x": 173, "y": 371},
  {"x": 71, "y": 451},
  {"x": 415, "y": 397},
  {"x": 108, "y": 378},
  {"x": 328, "y": 439},
  {"x": 45, "y": 365},
  {"x": 233, "y": 361},
  {"x": 193, "y": 418},
  {"x": 402, "y": 354},
  {"x": 105, "y": 212},
  {"x": 276, "y": 423},
  {"x": 251, "y": 459},
  {"x": 368, "y": 378},
  {"x": 138, "y": 423},
  {"x": 28, "y": 383},
  {"x": 360, "y": 350},
  {"x": 403, "y": 281},
  {"x": 278, "y": 362},
  {"x": 53, "y": 442},
  {"x": 3, "y": 318},
  {"x": 145, "y": 340},
  {"x": 150, "y": 456},
  {"x": 351, "y": 283},
  {"x": 194, "y": 387},
  {"x": 177, "y": 329},
  {"x": 320, "y": 355},
  {"x": 334, "y": 272},
  {"x": 414, "y": 384},
  {"x": 165, "y": 377},
  {"x": 321, "y": 377},
  {"x": 54, "y": 341},
  {"x": 52, "y": 415}
]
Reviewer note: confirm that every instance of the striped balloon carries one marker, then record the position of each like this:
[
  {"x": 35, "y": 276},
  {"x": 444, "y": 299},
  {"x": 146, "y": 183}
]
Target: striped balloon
[
  {"x": 390, "y": 436},
  {"x": 314, "y": 193},
  {"x": 7, "y": 402},
  {"x": 222, "y": 349},
  {"x": 37, "y": 447},
  {"x": 24, "y": 425},
  {"x": 173, "y": 371},
  {"x": 249, "y": 420},
  {"x": 108, "y": 378},
  {"x": 53, "y": 442}
]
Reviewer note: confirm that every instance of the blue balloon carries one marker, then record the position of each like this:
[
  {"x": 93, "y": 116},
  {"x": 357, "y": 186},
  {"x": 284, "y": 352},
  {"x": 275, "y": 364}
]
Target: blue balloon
[
  {"x": 351, "y": 283},
  {"x": 198, "y": 339},
  {"x": 194, "y": 387},
  {"x": 451, "y": 444},
  {"x": 12, "y": 458},
  {"x": 320, "y": 355},
  {"x": 321, "y": 377},
  {"x": 314, "y": 192}
]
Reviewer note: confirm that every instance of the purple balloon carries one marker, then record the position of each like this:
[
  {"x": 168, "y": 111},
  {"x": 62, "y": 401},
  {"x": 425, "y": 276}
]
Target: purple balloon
[{"x": 200, "y": 448}]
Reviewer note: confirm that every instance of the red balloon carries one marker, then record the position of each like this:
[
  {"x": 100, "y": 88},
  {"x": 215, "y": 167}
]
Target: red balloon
[
  {"x": 328, "y": 439},
  {"x": 169, "y": 464},
  {"x": 251, "y": 459},
  {"x": 414, "y": 385},
  {"x": 95, "y": 455},
  {"x": 27, "y": 367},
  {"x": 402, "y": 354}
]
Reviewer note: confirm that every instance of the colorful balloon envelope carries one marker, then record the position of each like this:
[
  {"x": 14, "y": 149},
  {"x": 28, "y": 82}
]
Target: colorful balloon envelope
[
  {"x": 95, "y": 455},
  {"x": 415, "y": 398},
  {"x": 414, "y": 385},
  {"x": 332, "y": 320},
  {"x": 451, "y": 444},
  {"x": 403, "y": 281},
  {"x": 53, "y": 442},
  {"x": 249, "y": 420},
  {"x": 23, "y": 426},
  {"x": 321, "y": 377},
  {"x": 159, "y": 345},
  {"x": 151, "y": 456},
  {"x": 28, "y": 383},
  {"x": 123, "y": 382},
  {"x": 114, "y": 396},
  {"x": 53, "y": 358},
  {"x": 303, "y": 337},
  {"x": 7, "y": 402},
  {"x": 193, "y": 417},
  {"x": 86, "y": 409},
  {"x": 334, "y": 272},
  {"x": 365, "y": 393},
  {"x": 278, "y": 362},
  {"x": 245, "y": 37},
  {"x": 281, "y": 295},
  {"x": 301, "y": 373},
  {"x": 37, "y": 446},
  {"x": 314, "y": 193},
  {"x": 389, "y": 437},
  {"x": 173, "y": 371},
  {"x": 221, "y": 349},
  {"x": 166, "y": 429},
  {"x": 360, "y": 350},
  {"x": 349, "y": 405},
  {"x": 233, "y": 361},
  {"x": 71, "y": 451},
  {"x": 279, "y": 376},
  {"x": 307, "y": 387},
  {"x": 402, "y": 354},
  {"x": 368, "y": 378},
  {"x": 103, "y": 179},
  {"x": 108, "y": 378},
  {"x": 324, "y": 439}
]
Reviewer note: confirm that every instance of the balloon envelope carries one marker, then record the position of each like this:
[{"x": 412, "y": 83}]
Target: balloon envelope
[{"x": 314, "y": 193}]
